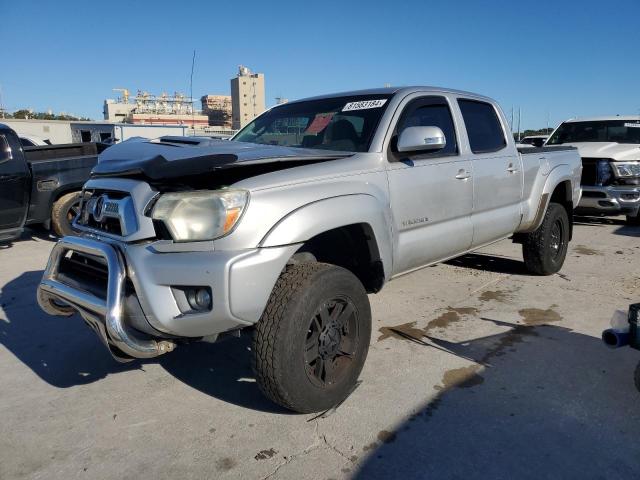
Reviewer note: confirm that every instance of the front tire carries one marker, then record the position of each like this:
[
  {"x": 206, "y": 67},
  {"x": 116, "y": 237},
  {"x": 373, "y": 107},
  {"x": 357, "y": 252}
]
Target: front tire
[
  {"x": 63, "y": 212},
  {"x": 545, "y": 249},
  {"x": 312, "y": 340}
]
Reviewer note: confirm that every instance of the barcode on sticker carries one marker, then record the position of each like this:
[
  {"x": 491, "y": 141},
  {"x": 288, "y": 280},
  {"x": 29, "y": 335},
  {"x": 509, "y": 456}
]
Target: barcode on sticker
[
  {"x": 364, "y": 105},
  {"x": 632, "y": 125}
]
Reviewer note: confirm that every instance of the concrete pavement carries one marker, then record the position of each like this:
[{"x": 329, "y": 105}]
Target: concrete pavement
[{"x": 476, "y": 370}]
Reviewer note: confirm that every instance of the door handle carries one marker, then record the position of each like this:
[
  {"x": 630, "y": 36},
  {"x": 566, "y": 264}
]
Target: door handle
[
  {"x": 512, "y": 169},
  {"x": 463, "y": 174}
]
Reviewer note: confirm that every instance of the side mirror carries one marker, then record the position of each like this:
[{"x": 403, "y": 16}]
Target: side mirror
[{"x": 418, "y": 139}]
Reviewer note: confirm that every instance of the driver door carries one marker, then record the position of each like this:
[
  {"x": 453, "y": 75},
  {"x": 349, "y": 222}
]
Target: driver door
[{"x": 431, "y": 193}]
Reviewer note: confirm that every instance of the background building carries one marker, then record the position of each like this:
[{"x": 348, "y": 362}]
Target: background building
[
  {"x": 114, "y": 111},
  {"x": 149, "y": 109},
  {"x": 218, "y": 109},
  {"x": 247, "y": 93},
  {"x": 56, "y": 131}
]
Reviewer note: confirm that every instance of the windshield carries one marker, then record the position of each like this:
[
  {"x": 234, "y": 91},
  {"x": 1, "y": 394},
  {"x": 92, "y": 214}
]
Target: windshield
[
  {"x": 619, "y": 131},
  {"x": 338, "y": 123}
]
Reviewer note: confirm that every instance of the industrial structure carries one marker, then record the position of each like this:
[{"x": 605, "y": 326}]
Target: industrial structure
[
  {"x": 223, "y": 112},
  {"x": 247, "y": 94},
  {"x": 147, "y": 115},
  {"x": 218, "y": 109},
  {"x": 149, "y": 109}
]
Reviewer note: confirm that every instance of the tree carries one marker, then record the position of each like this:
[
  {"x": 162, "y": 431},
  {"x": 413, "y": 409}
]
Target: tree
[
  {"x": 26, "y": 114},
  {"x": 526, "y": 133}
]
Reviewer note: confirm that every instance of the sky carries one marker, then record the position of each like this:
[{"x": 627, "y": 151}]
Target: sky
[{"x": 550, "y": 59}]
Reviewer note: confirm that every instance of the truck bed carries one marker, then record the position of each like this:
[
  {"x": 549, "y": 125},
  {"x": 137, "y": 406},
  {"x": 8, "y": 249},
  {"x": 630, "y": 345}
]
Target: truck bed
[
  {"x": 56, "y": 170},
  {"x": 527, "y": 150},
  {"x": 67, "y": 150}
]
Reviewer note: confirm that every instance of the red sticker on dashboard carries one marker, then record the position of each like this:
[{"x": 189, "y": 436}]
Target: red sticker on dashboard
[{"x": 320, "y": 122}]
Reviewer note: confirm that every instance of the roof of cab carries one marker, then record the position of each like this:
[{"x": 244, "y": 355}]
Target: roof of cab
[
  {"x": 393, "y": 91},
  {"x": 604, "y": 118}
]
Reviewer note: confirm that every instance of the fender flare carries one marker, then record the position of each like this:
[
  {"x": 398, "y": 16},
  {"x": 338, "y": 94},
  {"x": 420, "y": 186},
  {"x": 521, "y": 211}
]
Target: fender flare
[
  {"x": 327, "y": 214},
  {"x": 555, "y": 177}
]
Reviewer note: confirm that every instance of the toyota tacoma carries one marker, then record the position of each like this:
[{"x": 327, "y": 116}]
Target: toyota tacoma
[{"x": 287, "y": 227}]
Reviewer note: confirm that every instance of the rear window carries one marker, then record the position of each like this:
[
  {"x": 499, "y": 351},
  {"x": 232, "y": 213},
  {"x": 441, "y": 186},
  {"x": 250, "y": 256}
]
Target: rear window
[{"x": 483, "y": 126}]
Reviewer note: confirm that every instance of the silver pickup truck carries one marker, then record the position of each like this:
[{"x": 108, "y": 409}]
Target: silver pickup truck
[{"x": 289, "y": 225}]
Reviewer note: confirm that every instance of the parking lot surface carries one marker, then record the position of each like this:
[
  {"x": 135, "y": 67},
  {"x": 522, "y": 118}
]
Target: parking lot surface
[{"x": 476, "y": 370}]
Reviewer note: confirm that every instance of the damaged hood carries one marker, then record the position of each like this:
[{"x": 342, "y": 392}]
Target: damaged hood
[
  {"x": 613, "y": 150},
  {"x": 171, "y": 157}
]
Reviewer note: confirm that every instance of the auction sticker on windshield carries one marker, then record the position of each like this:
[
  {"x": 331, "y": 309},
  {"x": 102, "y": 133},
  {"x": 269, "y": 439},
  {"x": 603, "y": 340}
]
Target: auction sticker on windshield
[
  {"x": 364, "y": 105},
  {"x": 632, "y": 125}
]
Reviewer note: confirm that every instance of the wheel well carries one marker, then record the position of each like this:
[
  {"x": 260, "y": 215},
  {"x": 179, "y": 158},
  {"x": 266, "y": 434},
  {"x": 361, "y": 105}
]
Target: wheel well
[
  {"x": 60, "y": 193},
  {"x": 562, "y": 195},
  {"x": 352, "y": 247},
  {"x": 55, "y": 197}
]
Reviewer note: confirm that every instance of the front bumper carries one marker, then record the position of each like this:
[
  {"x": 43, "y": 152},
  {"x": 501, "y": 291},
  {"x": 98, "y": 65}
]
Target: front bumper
[
  {"x": 151, "y": 278},
  {"x": 612, "y": 200}
]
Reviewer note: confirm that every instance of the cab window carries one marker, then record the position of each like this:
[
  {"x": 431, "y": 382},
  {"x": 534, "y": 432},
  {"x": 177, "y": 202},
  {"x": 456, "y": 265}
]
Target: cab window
[
  {"x": 483, "y": 126},
  {"x": 431, "y": 112}
]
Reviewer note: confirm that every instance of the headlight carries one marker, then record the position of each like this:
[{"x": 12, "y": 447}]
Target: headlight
[
  {"x": 626, "y": 169},
  {"x": 200, "y": 215}
]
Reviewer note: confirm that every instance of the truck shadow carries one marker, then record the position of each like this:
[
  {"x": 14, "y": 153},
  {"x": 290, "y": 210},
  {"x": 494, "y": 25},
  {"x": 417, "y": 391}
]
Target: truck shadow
[
  {"x": 540, "y": 402},
  {"x": 30, "y": 234},
  {"x": 221, "y": 370},
  {"x": 64, "y": 352},
  {"x": 490, "y": 263}
]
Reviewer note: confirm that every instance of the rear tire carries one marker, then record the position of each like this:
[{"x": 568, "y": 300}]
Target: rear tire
[
  {"x": 313, "y": 337},
  {"x": 63, "y": 212},
  {"x": 545, "y": 249},
  {"x": 633, "y": 221}
]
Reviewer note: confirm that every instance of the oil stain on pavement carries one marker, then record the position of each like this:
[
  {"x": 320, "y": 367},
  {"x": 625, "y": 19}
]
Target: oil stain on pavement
[
  {"x": 584, "y": 250},
  {"x": 409, "y": 331}
]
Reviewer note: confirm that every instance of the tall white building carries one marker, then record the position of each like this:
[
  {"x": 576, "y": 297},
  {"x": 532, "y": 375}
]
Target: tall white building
[{"x": 247, "y": 94}]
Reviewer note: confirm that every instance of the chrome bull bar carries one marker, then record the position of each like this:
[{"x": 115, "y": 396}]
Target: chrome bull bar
[{"x": 105, "y": 316}]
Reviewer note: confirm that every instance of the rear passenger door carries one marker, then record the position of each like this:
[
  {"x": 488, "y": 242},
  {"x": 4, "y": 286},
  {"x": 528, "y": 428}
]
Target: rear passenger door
[
  {"x": 497, "y": 173},
  {"x": 431, "y": 193}
]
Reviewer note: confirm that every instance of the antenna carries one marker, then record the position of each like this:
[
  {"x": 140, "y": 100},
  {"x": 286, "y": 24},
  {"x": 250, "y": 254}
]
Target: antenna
[
  {"x": 547, "y": 132},
  {"x": 193, "y": 113}
]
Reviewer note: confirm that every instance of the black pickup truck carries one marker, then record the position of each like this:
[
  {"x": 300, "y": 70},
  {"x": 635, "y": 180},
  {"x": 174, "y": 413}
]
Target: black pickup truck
[{"x": 41, "y": 185}]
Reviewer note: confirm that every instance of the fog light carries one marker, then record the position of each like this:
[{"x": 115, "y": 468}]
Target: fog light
[{"x": 199, "y": 299}]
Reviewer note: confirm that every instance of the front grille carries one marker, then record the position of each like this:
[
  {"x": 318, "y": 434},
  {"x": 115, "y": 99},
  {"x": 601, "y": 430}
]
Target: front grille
[
  {"x": 591, "y": 194},
  {"x": 110, "y": 212},
  {"x": 596, "y": 172},
  {"x": 85, "y": 272},
  {"x": 108, "y": 225}
]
